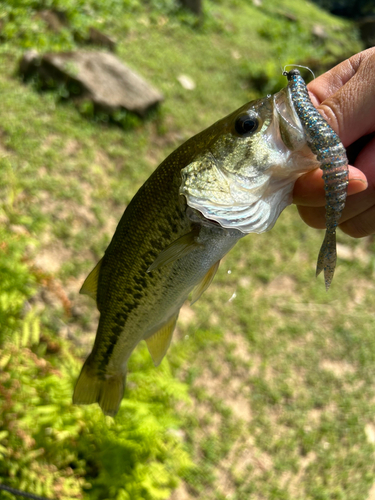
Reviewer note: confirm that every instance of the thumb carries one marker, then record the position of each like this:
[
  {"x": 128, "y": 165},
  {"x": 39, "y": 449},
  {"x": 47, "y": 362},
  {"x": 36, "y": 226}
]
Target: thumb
[{"x": 345, "y": 96}]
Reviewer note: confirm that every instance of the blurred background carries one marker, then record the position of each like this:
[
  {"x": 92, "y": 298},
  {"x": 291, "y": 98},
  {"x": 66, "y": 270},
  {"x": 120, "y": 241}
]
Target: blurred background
[{"x": 267, "y": 391}]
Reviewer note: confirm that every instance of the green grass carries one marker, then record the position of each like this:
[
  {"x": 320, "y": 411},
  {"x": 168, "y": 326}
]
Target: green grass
[{"x": 267, "y": 392}]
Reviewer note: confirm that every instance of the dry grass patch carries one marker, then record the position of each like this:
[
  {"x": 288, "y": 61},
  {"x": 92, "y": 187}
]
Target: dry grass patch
[
  {"x": 187, "y": 315},
  {"x": 283, "y": 285},
  {"x": 338, "y": 368},
  {"x": 181, "y": 493},
  {"x": 51, "y": 258}
]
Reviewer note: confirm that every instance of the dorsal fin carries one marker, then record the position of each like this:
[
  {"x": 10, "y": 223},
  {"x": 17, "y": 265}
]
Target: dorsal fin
[
  {"x": 179, "y": 248},
  {"x": 159, "y": 342},
  {"x": 205, "y": 283},
  {"x": 90, "y": 285}
]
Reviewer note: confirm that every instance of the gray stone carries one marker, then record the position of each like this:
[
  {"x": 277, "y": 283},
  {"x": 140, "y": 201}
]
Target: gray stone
[
  {"x": 101, "y": 77},
  {"x": 55, "y": 20},
  {"x": 319, "y": 32},
  {"x": 29, "y": 63}
]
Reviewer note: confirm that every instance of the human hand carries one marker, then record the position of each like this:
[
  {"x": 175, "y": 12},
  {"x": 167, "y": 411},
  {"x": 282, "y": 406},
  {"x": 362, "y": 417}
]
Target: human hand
[{"x": 345, "y": 96}]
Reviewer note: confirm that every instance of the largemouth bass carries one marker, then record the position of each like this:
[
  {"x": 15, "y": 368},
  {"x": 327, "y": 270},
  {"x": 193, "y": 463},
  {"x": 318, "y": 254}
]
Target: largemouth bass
[{"x": 232, "y": 179}]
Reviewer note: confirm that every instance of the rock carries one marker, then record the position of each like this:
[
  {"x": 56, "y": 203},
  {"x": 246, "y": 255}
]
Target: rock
[
  {"x": 318, "y": 31},
  {"x": 55, "y": 20},
  {"x": 29, "y": 63},
  {"x": 96, "y": 37},
  {"x": 99, "y": 76},
  {"x": 186, "y": 82}
]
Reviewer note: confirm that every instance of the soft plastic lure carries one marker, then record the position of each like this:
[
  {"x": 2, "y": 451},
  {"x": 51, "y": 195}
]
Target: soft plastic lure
[{"x": 331, "y": 154}]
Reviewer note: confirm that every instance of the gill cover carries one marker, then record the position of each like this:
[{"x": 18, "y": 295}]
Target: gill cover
[{"x": 245, "y": 181}]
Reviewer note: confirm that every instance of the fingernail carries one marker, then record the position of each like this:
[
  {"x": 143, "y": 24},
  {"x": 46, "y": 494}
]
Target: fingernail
[{"x": 360, "y": 179}]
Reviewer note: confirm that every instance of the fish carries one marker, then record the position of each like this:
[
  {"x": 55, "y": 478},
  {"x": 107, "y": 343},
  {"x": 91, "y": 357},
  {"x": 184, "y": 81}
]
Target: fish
[
  {"x": 232, "y": 179},
  {"x": 331, "y": 154}
]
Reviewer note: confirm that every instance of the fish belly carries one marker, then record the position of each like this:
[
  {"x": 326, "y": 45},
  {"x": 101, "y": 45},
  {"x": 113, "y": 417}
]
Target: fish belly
[
  {"x": 176, "y": 281},
  {"x": 103, "y": 375}
]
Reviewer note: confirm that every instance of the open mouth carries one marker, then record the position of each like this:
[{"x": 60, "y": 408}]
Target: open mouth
[{"x": 291, "y": 129}]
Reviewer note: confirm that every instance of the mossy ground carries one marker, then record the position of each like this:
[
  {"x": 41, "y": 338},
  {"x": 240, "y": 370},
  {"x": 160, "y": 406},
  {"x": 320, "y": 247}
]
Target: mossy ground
[{"x": 268, "y": 388}]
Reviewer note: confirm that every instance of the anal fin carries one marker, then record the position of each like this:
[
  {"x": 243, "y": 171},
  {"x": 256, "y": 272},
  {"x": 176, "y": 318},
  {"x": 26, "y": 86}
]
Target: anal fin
[
  {"x": 159, "y": 342},
  {"x": 205, "y": 283},
  {"x": 90, "y": 285}
]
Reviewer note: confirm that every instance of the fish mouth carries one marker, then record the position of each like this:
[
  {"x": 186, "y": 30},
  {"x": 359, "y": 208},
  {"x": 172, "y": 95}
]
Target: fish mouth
[{"x": 290, "y": 126}]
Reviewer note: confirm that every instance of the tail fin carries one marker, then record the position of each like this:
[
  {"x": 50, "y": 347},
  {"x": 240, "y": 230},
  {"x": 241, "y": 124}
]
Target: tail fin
[
  {"x": 92, "y": 388},
  {"x": 327, "y": 258}
]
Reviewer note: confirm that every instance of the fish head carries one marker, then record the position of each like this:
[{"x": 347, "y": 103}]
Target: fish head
[{"x": 245, "y": 166}]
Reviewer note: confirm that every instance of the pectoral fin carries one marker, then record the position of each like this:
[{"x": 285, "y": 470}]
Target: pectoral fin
[
  {"x": 159, "y": 342},
  {"x": 205, "y": 283},
  {"x": 90, "y": 285},
  {"x": 179, "y": 248}
]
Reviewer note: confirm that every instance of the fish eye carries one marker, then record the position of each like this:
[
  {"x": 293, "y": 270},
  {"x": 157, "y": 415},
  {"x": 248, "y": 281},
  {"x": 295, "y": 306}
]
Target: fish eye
[{"x": 246, "y": 124}]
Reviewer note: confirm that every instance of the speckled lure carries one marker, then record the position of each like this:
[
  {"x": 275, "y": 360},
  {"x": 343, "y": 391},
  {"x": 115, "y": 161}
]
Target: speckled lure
[{"x": 330, "y": 152}]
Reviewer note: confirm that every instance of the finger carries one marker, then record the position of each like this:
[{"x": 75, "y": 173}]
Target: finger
[
  {"x": 355, "y": 205},
  {"x": 327, "y": 84},
  {"x": 309, "y": 188},
  {"x": 360, "y": 226},
  {"x": 313, "y": 216},
  {"x": 345, "y": 98}
]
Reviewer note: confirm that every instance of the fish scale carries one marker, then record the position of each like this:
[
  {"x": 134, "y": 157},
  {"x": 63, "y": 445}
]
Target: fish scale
[{"x": 326, "y": 145}]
